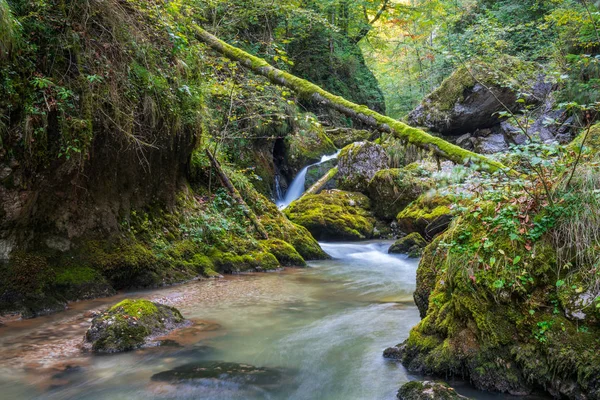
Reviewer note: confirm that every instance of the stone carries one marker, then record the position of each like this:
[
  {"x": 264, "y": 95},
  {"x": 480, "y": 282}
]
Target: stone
[
  {"x": 412, "y": 244},
  {"x": 129, "y": 325},
  {"x": 358, "y": 163}
]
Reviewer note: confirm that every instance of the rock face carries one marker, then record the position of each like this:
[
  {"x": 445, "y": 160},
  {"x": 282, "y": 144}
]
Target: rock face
[
  {"x": 306, "y": 146},
  {"x": 358, "y": 163},
  {"x": 427, "y": 390},
  {"x": 334, "y": 215},
  {"x": 391, "y": 190},
  {"x": 411, "y": 244},
  {"x": 129, "y": 324}
]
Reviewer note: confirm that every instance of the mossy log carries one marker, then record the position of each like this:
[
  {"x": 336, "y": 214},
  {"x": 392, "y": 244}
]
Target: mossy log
[
  {"x": 237, "y": 197},
  {"x": 320, "y": 184},
  {"x": 307, "y": 90}
]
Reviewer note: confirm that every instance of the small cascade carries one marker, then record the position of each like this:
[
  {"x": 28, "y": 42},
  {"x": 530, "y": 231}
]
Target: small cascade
[
  {"x": 296, "y": 188},
  {"x": 278, "y": 191}
]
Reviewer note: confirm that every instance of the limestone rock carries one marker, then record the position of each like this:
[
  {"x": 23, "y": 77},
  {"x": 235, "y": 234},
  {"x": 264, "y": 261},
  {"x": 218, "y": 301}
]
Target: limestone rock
[{"x": 358, "y": 163}]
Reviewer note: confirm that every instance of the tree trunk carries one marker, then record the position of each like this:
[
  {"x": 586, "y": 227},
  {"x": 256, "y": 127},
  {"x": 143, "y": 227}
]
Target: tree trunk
[
  {"x": 307, "y": 90},
  {"x": 318, "y": 185},
  {"x": 237, "y": 196}
]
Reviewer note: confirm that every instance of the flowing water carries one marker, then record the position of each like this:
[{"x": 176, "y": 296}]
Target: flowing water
[
  {"x": 297, "y": 187},
  {"x": 319, "y": 331}
]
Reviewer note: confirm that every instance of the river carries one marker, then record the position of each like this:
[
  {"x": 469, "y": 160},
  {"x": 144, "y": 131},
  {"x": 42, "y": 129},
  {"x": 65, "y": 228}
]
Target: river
[{"x": 322, "y": 330}]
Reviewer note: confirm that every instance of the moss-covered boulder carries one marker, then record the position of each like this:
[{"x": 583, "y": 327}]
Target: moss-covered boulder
[
  {"x": 334, "y": 215},
  {"x": 342, "y": 137},
  {"x": 129, "y": 324},
  {"x": 463, "y": 102},
  {"x": 391, "y": 190},
  {"x": 430, "y": 208},
  {"x": 358, "y": 163},
  {"x": 427, "y": 390},
  {"x": 495, "y": 312},
  {"x": 306, "y": 146},
  {"x": 285, "y": 253},
  {"x": 255, "y": 261},
  {"x": 411, "y": 244}
]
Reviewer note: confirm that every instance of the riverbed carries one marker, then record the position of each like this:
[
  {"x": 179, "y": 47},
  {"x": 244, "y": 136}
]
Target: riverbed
[{"x": 319, "y": 331}]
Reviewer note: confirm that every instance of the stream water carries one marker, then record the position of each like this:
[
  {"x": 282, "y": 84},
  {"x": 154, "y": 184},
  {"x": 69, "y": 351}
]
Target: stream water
[
  {"x": 319, "y": 330},
  {"x": 298, "y": 185}
]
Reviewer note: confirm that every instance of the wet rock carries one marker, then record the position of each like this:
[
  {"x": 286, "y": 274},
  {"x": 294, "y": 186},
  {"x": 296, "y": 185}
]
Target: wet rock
[
  {"x": 334, "y": 215},
  {"x": 427, "y": 390},
  {"x": 222, "y": 371},
  {"x": 129, "y": 325},
  {"x": 391, "y": 190},
  {"x": 358, "y": 163},
  {"x": 393, "y": 353},
  {"x": 412, "y": 244}
]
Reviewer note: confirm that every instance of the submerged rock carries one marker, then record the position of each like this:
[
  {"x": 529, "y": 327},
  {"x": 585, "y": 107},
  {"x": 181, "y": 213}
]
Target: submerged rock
[
  {"x": 223, "y": 372},
  {"x": 427, "y": 390},
  {"x": 411, "y": 244},
  {"x": 129, "y": 324},
  {"x": 358, "y": 163},
  {"x": 334, "y": 215}
]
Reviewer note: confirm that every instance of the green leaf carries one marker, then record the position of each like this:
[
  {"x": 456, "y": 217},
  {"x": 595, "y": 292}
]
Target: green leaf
[{"x": 560, "y": 283}]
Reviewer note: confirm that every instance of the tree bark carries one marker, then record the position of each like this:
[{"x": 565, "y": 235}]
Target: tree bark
[
  {"x": 237, "y": 196},
  {"x": 310, "y": 91}
]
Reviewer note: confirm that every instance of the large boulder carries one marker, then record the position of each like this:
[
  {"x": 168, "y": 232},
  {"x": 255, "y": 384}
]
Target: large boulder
[
  {"x": 358, "y": 163},
  {"x": 427, "y": 390},
  {"x": 464, "y": 103},
  {"x": 129, "y": 324},
  {"x": 284, "y": 252},
  {"x": 391, "y": 190},
  {"x": 334, "y": 215}
]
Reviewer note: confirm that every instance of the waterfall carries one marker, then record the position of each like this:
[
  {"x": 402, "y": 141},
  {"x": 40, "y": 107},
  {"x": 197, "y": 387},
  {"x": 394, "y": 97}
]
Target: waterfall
[{"x": 296, "y": 188}]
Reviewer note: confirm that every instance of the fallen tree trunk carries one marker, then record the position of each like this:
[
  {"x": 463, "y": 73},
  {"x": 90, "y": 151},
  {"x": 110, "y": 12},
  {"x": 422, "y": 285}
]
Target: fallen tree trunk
[
  {"x": 307, "y": 90},
  {"x": 237, "y": 196},
  {"x": 318, "y": 185}
]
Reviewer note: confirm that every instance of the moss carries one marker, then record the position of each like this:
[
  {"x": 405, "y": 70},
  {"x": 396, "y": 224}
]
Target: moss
[
  {"x": 592, "y": 141},
  {"x": 391, "y": 190},
  {"x": 427, "y": 390},
  {"x": 421, "y": 212},
  {"x": 411, "y": 244},
  {"x": 255, "y": 261},
  {"x": 357, "y": 165},
  {"x": 285, "y": 253},
  {"x": 307, "y": 145},
  {"x": 334, "y": 215},
  {"x": 343, "y": 137},
  {"x": 128, "y": 324}
]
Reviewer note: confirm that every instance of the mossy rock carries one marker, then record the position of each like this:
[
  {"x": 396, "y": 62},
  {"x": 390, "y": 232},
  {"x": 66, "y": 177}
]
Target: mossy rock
[
  {"x": 423, "y": 211},
  {"x": 463, "y": 104},
  {"x": 427, "y": 390},
  {"x": 232, "y": 263},
  {"x": 592, "y": 142},
  {"x": 357, "y": 165},
  {"x": 284, "y": 253},
  {"x": 342, "y": 137},
  {"x": 306, "y": 146},
  {"x": 81, "y": 283},
  {"x": 129, "y": 324},
  {"x": 411, "y": 244},
  {"x": 334, "y": 215},
  {"x": 493, "y": 315},
  {"x": 391, "y": 190}
]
